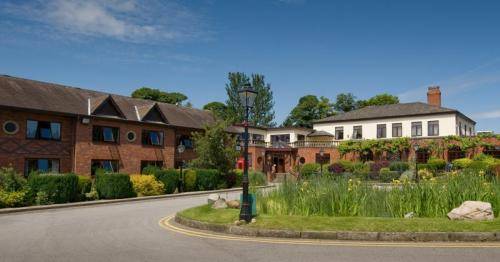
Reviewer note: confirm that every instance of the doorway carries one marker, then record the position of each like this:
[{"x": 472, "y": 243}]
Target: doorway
[{"x": 279, "y": 164}]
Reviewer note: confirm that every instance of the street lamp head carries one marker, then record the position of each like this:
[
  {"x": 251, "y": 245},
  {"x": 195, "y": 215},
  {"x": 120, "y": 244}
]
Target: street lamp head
[
  {"x": 247, "y": 95},
  {"x": 321, "y": 152}
]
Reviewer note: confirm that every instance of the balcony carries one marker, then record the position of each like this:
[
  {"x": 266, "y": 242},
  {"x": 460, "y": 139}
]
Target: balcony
[{"x": 296, "y": 144}]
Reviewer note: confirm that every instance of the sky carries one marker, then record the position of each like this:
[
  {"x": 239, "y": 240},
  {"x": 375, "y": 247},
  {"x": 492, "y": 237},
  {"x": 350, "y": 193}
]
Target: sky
[{"x": 301, "y": 46}]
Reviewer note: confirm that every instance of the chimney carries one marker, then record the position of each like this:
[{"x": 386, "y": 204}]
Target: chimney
[{"x": 434, "y": 96}]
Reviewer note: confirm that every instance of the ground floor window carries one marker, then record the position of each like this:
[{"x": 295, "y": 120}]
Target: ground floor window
[
  {"x": 145, "y": 163},
  {"x": 492, "y": 151},
  {"x": 41, "y": 165},
  {"x": 455, "y": 153},
  {"x": 108, "y": 166},
  {"x": 366, "y": 156},
  {"x": 422, "y": 156}
]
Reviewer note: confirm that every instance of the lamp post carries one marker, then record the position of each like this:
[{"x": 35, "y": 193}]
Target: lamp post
[
  {"x": 321, "y": 154},
  {"x": 247, "y": 98},
  {"x": 415, "y": 148},
  {"x": 181, "y": 148}
]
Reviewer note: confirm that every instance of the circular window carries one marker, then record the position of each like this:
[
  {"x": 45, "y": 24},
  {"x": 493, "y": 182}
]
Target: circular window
[
  {"x": 10, "y": 127},
  {"x": 302, "y": 160},
  {"x": 131, "y": 136}
]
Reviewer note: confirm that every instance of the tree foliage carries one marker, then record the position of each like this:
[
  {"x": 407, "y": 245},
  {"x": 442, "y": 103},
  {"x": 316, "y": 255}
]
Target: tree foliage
[
  {"x": 218, "y": 109},
  {"x": 345, "y": 102},
  {"x": 378, "y": 100},
  {"x": 215, "y": 148},
  {"x": 262, "y": 113},
  {"x": 308, "y": 109},
  {"x": 159, "y": 96}
]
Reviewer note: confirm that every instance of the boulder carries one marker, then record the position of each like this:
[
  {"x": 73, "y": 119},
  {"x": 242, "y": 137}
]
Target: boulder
[
  {"x": 219, "y": 204},
  {"x": 409, "y": 215},
  {"x": 472, "y": 210},
  {"x": 212, "y": 198},
  {"x": 233, "y": 203}
]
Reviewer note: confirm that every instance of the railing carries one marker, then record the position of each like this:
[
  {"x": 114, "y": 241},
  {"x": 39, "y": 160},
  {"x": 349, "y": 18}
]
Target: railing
[{"x": 296, "y": 144}]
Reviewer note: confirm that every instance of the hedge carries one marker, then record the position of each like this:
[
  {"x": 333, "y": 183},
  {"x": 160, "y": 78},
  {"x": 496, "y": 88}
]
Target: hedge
[
  {"x": 84, "y": 187},
  {"x": 190, "y": 180},
  {"x": 146, "y": 185},
  {"x": 114, "y": 185},
  {"x": 399, "y": 166},
  {"x": 309, "y": 169},
  {"x": 11, "y": 181},
  {"x": 207, "y": 179},
  {"x": 386, "y": 175},
  {"x": 169, "y": 178},
  {"x": 53, "y": 188},
  {"x": 436, "y": 164}
]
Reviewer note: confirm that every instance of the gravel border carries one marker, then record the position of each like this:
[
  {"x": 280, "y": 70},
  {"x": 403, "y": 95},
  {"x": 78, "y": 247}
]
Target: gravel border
[
  {"x": 114, "y": 201},
  {"x": 343, "y": 235}
]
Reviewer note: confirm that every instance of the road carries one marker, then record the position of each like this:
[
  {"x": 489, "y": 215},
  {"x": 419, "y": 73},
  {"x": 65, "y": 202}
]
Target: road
[{"x": 130, "y": 232}]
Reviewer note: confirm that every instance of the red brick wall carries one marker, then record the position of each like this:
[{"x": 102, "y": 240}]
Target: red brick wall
[
  {"x": 15, "y": 148},
  {"x": 129, "y": 154}
]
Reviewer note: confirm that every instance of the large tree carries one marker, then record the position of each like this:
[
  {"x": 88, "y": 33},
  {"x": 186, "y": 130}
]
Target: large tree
[
  {"x": 159, "y": 96},
  {"x": 218, "y": 109},
  {"x": 345, "y": 102},
  {"x": 308, "y": 109},
  {"x": 262, "y": 113},
  {"x": 378, "y": 100}
]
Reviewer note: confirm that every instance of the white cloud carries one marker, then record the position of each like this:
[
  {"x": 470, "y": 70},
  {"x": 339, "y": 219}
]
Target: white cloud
[
  {"x": 488, "y": 114},
  {"x": 126, "y": 20}
]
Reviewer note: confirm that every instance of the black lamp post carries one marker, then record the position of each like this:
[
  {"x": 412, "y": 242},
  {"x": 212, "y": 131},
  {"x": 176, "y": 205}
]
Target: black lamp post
[
  {"x": 321, "y": 154},
  {"x": 181, "y": 148},
  {"x": 416, "y": 147},
  {"x": 247, "y": 98}
]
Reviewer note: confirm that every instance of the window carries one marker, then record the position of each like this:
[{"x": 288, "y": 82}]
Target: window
[
  {"x": 43, "y": 130},
  {"x": 131, "y": 136},
  {"x": 41, "y": 165},
  {"x": 105, "y": 134},
  {"x": 397, "y": 130},
  {"x": 433, "y": 128},
  {"x": 152, "y": 138},
  {"x": 280, "y": 138},
  {"x": 357, "y": 132},
  {"x": 416, "y": 128},
  {"x": 257, "y": 137},
  {"x": 301, "y": 137},
  {"x": 323, "y": 160},
  {"x": 10, "y": 127},
  {"x": 108, "y": 166},
  {"x": 422, "y": 156},
  {"x": 339, "y": 133},
  {"x": 145, "y": 163},
  {"x": 381, "y": 131},
  {"x": 186, "y": 141}
]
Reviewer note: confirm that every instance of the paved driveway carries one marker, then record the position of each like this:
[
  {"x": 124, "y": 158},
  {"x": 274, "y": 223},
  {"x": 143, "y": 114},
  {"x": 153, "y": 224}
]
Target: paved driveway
[{"x": 130, "y": 232}]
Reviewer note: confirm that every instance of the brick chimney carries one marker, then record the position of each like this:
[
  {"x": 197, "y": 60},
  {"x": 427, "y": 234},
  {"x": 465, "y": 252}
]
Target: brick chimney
[{"x": 434, "y": 96}]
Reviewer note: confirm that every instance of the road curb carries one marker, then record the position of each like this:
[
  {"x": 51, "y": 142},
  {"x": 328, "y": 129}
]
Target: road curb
[
  {"x": 114, "y": 201},
  {"x": 343, "y": 235}
]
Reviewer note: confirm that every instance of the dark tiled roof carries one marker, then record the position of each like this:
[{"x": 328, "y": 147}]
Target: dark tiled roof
[
  {"x": 35, "y": 95},
  {"x": 386, "y": 111},
  {"x": 319, "y": 133}
]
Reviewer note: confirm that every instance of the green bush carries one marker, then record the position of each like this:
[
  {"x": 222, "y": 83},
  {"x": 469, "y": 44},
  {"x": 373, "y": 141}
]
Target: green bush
[
  {"x": 150, "y": 170},
  {"x": 146, "y": 185},
  {"x": 461, "y": 163},
  {"x": 10, "y": 181},
  {"x": 189, "y": 180},
  {"x": 347, "y": 165},
  {"x": 386, "y": 175},
  {"x": 359, "y": 167},
  {"x": 399, "y": 166},
  {"x": 408, "y": 175},
  {"x": 169, "y": 178},
  {"x": 257, "y": 178},
  {"x": 239, "y": 177},
  {"x": 436, "y": 164},
  {"x": 84, "y": 187},
  {"x": 207, "y": 179},
  {"x": 113, "y": 186},
  {"x": 309, "y": 169},
  {"x": 423, "y": 166},
  {"x": 59, "y": 188},
  {"x": 12, "y": 199}
]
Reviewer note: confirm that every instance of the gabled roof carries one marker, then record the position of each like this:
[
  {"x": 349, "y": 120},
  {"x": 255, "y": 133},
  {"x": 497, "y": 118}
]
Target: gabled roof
[
  {"x": 319, "y": 133},
  {"x": 105, "y": 106},
  {"x": 388, "y": 111},
  {"x": 151, "y": 113},
  {"x": 28, "y": 94}
]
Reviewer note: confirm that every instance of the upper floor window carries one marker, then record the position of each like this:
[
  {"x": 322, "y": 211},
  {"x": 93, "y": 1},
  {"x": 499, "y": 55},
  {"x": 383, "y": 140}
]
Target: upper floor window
[
  {"x": 339, "y": 133},
  {"x": 43, "y": 130},
  {"x": 357, "y": 132},
  {"x": 152, "y": 138},
  {"x": 397, "y": 130},
  {"x": 433, "y": 128},
  {"x": 186, "y": 141},
  {"x": 41, "y": 165},
  {"x": 416, "y": 128},
  {"x": 280, "y": 138},
  {"x": 105, "y": 134},
  {"x": 301, "y": 137},
  {"x": 381, "y": 131},
  {"x": 257, "y": 137}
]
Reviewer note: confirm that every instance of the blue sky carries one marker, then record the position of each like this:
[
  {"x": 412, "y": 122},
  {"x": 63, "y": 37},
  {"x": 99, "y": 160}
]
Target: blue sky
[{"x": 301, "y": 46}]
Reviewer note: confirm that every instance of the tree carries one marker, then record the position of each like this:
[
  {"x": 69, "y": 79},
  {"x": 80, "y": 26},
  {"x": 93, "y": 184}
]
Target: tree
[
  {"x": 218, "y": 109},
  {"x": 262, "y": 113},
  {"x": 345, "y": 102},
  {"x": 158, "y": 95},
  {"x": 378, "y": 100},
  {"x": 215, "y": 148},
  {"x": 308, "y": 109}
]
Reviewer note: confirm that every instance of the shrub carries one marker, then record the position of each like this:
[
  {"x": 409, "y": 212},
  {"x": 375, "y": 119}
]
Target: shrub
[
  {"x": 59, "y": 188},
  {"x": 230, "y": 179},
  {"x": 399, "y": 166},
  {"x": 359, "y": 167},
  {"x": 239, "y": 177},
  {"x": 10, "y": 181},
  {"x": 84, "y": 187},
  {"x": 207, "y": 179},
  {"x": 169, "y": 178},
  {"x": 336, "y": 168},
  {"x": 150, "y": 170},
  {"x": 436, "y": 164},
  {"x": 461, "y": 163},
  {"x": 362, "y": 175},
  {"x": 146, "y": 185},
  {"x": 13, "y": 198},
  {"x": 376, "y": 166},
  {"x": 424, "y": 174},
  {"x": 190, "y": 180},
  {"x": 114, "y": 185},
  {"x": 386, "y": 175},
  {"x": 257, "y": 178},
  {"x": 408, "y": 175},
  {"x": 347, "y": 165},
  {"x": 309, "y": 170}
]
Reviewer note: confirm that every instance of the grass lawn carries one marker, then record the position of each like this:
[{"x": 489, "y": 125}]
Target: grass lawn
[{"x": 317, "y": 223}]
